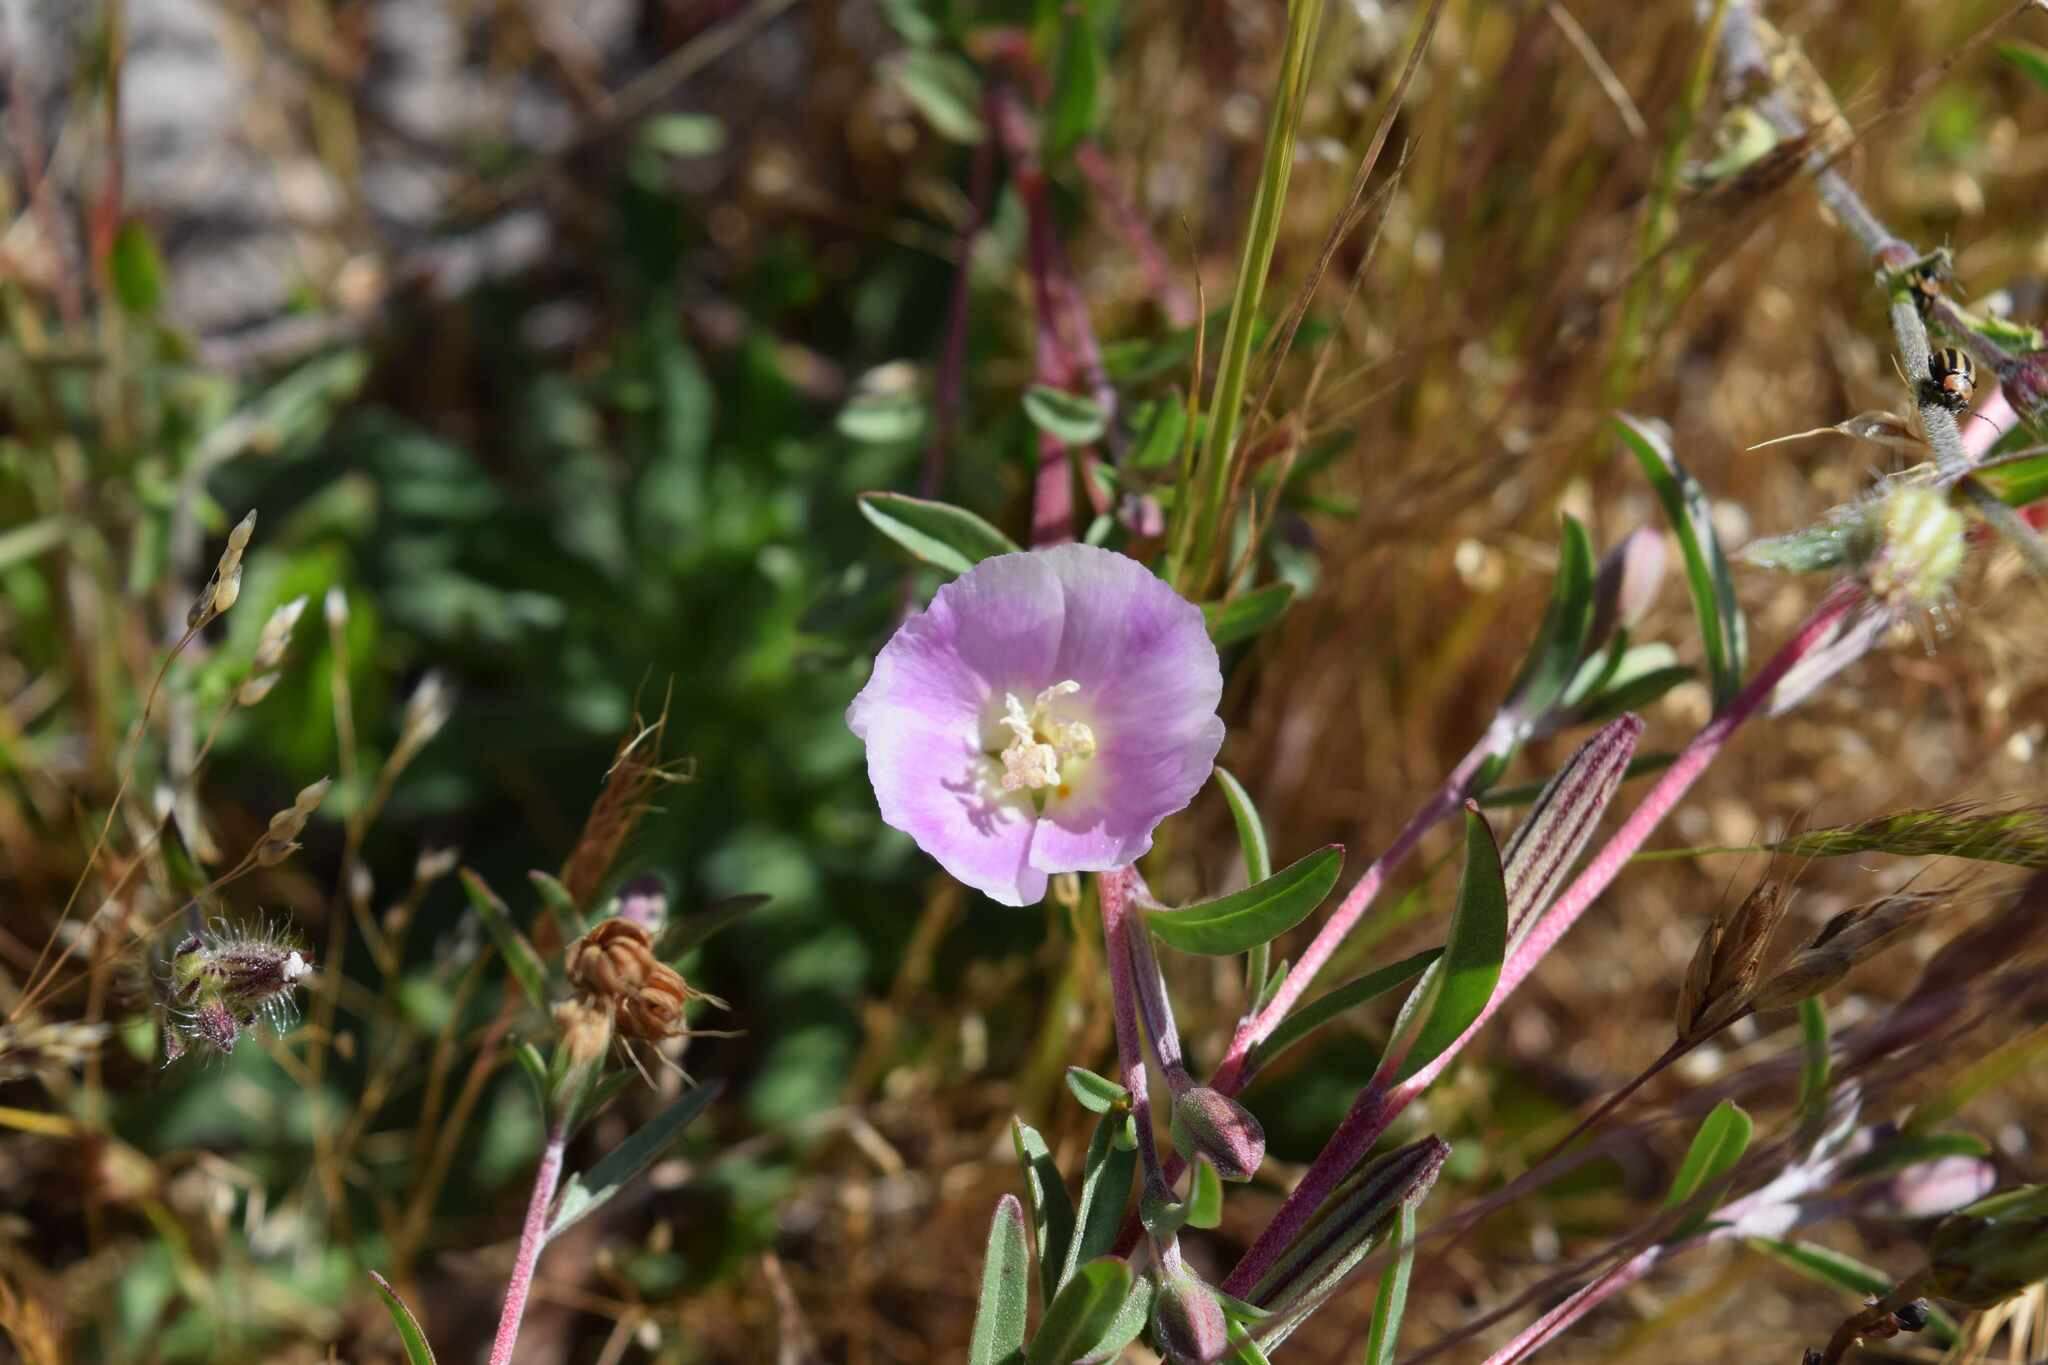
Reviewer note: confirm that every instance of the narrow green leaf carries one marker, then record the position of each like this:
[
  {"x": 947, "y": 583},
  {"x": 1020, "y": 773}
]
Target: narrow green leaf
[
  {"x": 536, "y": 1068},
  {"x": 1248, "y": 614},
  {"x": 952, "y": 538},
  {"x": 1000, "y": 1317},
  {"x": 1245, "y": 1351},
  {"x": 137, "y": 270},
  {"x": 945, "y": 90},
  {"x": 558, "y": 902},
  {"x": 1162, "y": 428},
  {"x": 1392, "y": 1299},
  {"x": 1342, "y": 1000},
  {"x": 1842, "y": 1272},
  {"x": 1553, "y": 658},
  {"x": 1205, "y": 1195},
  {"x": 1068, "y": 418},
  {"x": 1105, "y": 1188},
  {"x": 584, "y": 1192},
  {"x": 26, "y": 541},
  {"x": 1813, "y": 1067},
  {"x": 1075, "y": 106},
  {"x": 1052, "y": 1211},
  {"x": 1081, "y": 1312},
  {"x": 2016, "y": 482},
  {"x": 1251, "y": 831},
  {"x": 1718, "y": 1145},
  {"x": 684, "y": 933},
  {"x": 1097, "y": 1094},
  {"x": 2028, "y": 58},
  {"x": 1123, "y": 1329},
  {"x": 417, "y": 1351},
  {"x": 520, "y": 958},
  {"x": 889, "y": 418},
  {"x": 1722, "y": 631},
  {"x": 683, "y": 135},
  {"x": 1258, "y": 914},
  {"x": 1458, "y": 985}
]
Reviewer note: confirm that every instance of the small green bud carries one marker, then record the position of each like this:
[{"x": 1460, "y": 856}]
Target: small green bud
[
  {"x": 1208, "y": 1123},
  {"x": 1187, "y": 1322},
  {"x": 1990, "y": 1251}
]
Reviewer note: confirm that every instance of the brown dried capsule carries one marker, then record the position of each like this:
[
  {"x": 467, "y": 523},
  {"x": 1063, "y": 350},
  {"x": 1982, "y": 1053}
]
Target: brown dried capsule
[{"x": 614, "y": 965}]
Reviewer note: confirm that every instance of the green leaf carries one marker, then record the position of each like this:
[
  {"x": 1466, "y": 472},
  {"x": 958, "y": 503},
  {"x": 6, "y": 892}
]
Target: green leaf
[
  {"x": 1205, "y": 1195},
  {"x": 1842, "y": 1272},
  {"x": 888, "y": 418},
  {"x": 951, "y": 538},
  {"x": 1245, "y": 1351},
  {"x": 2028, "y": 58},
  {"x": 137, "y": 270},
  {"x": 520, "y": 958},
  {"x": 1123, "y": 1329},
  {"x": 555, "y": 898},
  {"x": 1553, "y": 659},
  {"x": 584, "y": 1192},
  {"x": 1813, "y": 1068},
  {"x": 1162, "y": 428},
  {"x": 417, "y": 1351},
  {"x": 1258, "y": 914},
  {"x": 1068, "y": 418},
  {"x": 683, "y": 135},
  {"x": 1105, "y": 1188},
  {"x": 1343, "y": 999},
  {"x": 536, "y": 1068},
  {"x": 1258, "y": 865},
  {"x": 1248, "y": 614},
  {"x": 1000, "y": 1318},
  {"x": 1075, "y": 107},
  {"x": 1722, "y": 632},
  {"x": 685, "y": 933},
  {"x": 1458, "y": 985},
  {"x": 26, "y": 541},
  {"x": 1052, "y": 1211},
  {"x": 945, "y": 90},
  {"x": 2016, "y": 482},
  {"x": 1718, "y": 1145},
  {"x": 1081, "y": 1312},
  {"x": 1392, "y": 1299},
  {"x": 1097, "y": 1094}
]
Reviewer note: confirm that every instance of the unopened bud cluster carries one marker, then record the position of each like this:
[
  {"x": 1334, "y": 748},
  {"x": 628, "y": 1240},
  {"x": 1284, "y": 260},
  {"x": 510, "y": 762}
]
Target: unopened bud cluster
[
  {"x": 222, "y": 590},
  {"x": 224, "y": 982},
  {"x": 270, "y": 651},
  {"x": 281, "y": 839},
  {"x": 614, "y": 967}
]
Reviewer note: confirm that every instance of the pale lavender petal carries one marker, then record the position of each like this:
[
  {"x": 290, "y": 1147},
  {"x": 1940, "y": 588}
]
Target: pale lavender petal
[{"x": 943, "y": 792}]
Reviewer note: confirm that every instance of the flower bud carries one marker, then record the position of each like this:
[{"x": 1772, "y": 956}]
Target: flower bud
[
  {"x": 1921, "y": 544},
  {"x": 1188, "y": 1323},
  {"x": 1991, "y": 1250},
  {"x": 256, "y": 689},
  {"x": 222, "y": 982},
  {"x": 335, "y": 607},
  {"x": 276, "y": 636},
  {"x": 1208, "y": 1123}
]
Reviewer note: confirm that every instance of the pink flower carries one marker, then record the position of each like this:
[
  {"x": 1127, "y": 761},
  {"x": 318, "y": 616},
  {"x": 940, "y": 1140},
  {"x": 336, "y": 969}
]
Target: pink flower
[{"x": 1043, "y": 715}]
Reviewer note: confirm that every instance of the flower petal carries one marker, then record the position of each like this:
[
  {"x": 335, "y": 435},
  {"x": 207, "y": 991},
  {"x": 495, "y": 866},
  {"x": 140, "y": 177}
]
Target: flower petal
[
  {"x": 946, "y": 795},
  {"x": 1136, "y": 781}
]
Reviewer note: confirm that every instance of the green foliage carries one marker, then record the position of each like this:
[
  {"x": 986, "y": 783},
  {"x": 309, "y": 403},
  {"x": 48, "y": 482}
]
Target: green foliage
[
  {"x": 1392, "y": 1300},
  {"x": 948, "y": 537},
  {"x": 410, "y": 1338},
  {"x": 1457, "y": 986},
  {"x": 1052, "y": 1212},
  {"x": 1005, "y": 1304},
  {"x": 1097, "y": 1094},
  {"x": 1256, "y": 915},
  {"x": 1248, "y": 614},
  {"x": 1085, "y": 1308},
  {"x": 583, "y": 1193},
  {"x": 1719, "y": 1144}
]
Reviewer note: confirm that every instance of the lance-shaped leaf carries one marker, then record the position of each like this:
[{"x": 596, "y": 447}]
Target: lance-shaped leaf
[
  {"x": 1560, "y": 642},
  {"x": 1052, "y": 1211},
  {"x": 1106, "y": 1174},
  {"x": 1392, "y": 1299},
  {"x": 1813, "y": 1065},
  {"x": 1258, "y": 865},
  {"x": 1205, "y": 1196},
  {"x": 2016, "y": 481},
  {"x": 947, "y": 537},
  {"x": 1345, "y": 998},
  {"x": 1723, "y": 634},
  {"x": 1457, "y": 986},
  {"x": 1123, "y": 1328},
  {"x": 520, "y": 958},
  {"x": 1258, "y": 914},
  {"x": 1719, "y": 1144},
  {"x": 1550, "y": 839},
  {"x": 556, "y": 900},
  {"x": 1843, "y": 1272},
  {"x": 1081, "y": 1312},
  {"x": 1068, "y": 418},
  {"x": 1000, "y": 1318},
  {"x": 410, "y": 1337},
  {"x": 1096, "y": 1093},
  {"x": 1247, "y": 614},
  {"x": 686, "y": 933},
  {"x": 584, "y": 1192},
  {"x": 1352, "y": 1222}
]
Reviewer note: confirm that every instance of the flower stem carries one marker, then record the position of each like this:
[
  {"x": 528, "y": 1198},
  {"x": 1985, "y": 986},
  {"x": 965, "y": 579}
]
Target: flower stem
[
  {"x": 532, "y": 1237},
  {"x": 1114, "y": 889},
  {"x": 1375, "y": 1110}
]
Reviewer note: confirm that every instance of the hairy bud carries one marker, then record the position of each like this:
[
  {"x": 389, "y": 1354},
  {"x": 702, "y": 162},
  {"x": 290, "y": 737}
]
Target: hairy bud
[
  {"x": 1921, "y": 540},
  {"x": 1188, "y": 1323},
  {"x": 223, "y": 982},
  {"x": 1208, "y": 1123}
]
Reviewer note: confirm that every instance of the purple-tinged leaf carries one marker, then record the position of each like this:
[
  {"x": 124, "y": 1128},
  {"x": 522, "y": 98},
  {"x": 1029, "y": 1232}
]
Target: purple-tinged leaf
[
  {"x": 417, "y": 1351},
  {"x": 1005, "y": 1305}
]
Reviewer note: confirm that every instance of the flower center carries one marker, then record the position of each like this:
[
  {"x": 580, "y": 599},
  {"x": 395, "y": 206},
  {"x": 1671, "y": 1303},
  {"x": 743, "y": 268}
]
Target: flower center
[{"x": 1041, "y": 741}]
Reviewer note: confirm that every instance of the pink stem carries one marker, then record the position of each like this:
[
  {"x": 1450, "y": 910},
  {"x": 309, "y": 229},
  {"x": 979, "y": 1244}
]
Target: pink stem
[
  {"x": 1548, "y": 1327},
  {"x": 1230, "y": 1075},
  {"x": 1374, "y": 1110},
  {"x": 532, "y": 1237},
  {"x": 1173, "y": 299}
]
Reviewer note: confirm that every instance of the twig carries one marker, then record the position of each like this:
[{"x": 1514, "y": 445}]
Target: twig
[{"x": 532, "y": 1237}]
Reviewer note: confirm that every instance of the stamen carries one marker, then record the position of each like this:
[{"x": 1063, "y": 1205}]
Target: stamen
[{"x": 1040, "y": 742}]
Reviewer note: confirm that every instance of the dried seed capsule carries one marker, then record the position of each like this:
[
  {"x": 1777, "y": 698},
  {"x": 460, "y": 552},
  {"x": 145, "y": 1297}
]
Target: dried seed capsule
[{"x": 1952, "y": 378}]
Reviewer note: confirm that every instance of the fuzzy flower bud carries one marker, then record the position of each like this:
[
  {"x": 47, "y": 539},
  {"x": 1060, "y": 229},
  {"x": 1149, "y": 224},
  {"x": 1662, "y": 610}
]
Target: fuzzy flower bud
[
  {"x": 256, "y": 689},
  {"x": 1209, "y": 1123},
  {"x": 276, "y": 636},
  {"x": 225, "y": 586},
  {"x": 223, "y": 982},
  {"x": 1188, "y": 1323},
  {"x": 1921, "y": 543},
  {"x": 1991, "y": 1250},
  {"x": 280, "y": 841}
]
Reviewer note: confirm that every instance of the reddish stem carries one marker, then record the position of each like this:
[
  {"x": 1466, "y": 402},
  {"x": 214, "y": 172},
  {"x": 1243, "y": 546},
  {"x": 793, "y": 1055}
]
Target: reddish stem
[{"x": 532, "y": 1237}]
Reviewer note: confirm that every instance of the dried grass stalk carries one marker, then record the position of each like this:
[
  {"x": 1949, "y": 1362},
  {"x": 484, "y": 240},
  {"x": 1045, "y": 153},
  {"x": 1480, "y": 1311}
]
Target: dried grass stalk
[{"x": 629, "y": 785}]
